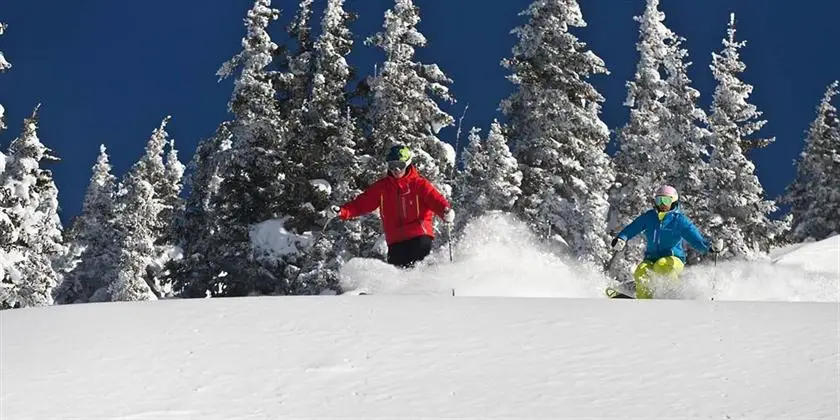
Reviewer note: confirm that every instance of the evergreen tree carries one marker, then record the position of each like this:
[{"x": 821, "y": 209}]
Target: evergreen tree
[
  {"x": 198, "y": 223},
  {"x": 469, "y": 181},
  {"x": 142, "y": 200},
  {"x": 138, "y": 209},
  {"x": 814, "y": 196},
  {"x": 558, "y": 138},
  {"x": 490, "y": 179},
  {"x": 332, "y": 156},
  {"x": 301, "y": 62},
  {"x": 152, "y": 169},
  {"x": 332, "y": 72},
  {"x": 316, "y": 120},
  {"x": 642, "y": 158},
  {"x": 339, "y": 241},
  {"x": 403, "y": 108},
  {"x": 683, "y": 127},
  {"x": 302, "y": 143},
  {"x": 251, "y": 175},
  {"x": 736, "y": 197},
  {"x": 92, "y": 256},
  {"x": 32, "y": 231},
  {"x": 663, "y": 141},
  {"x": 170, "y": 196}
]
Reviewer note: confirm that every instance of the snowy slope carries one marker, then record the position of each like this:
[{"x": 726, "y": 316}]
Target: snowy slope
[
  {"x": 528, "y": 335},
  {"x": 421, "y": 356}
]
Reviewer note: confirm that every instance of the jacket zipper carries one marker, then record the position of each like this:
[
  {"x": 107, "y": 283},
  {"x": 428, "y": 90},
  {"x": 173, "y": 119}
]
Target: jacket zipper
[
  {"x": 401, "y": 205},
  {"x": 657, "y": 234}
]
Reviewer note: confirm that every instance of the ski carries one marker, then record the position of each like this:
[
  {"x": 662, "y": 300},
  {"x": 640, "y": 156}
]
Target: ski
[{"x": 616, "y": 293}]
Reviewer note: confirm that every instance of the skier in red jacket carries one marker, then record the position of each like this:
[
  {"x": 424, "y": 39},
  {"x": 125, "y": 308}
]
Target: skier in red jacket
[{"x": 406, "y": 202}]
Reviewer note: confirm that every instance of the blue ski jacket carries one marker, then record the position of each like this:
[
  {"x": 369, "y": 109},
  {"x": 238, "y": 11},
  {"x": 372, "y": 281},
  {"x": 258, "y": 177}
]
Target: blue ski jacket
[{"x": 665, "y": 236}]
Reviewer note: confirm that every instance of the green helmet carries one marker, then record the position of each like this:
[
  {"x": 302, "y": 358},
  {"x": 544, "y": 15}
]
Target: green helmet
[{"x": 399, "y": 156}]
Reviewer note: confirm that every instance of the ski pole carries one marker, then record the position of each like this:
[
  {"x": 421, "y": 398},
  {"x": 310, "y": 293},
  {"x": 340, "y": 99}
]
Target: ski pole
[
  {"x": 609, "y": 265},
  {"x": 449, "y": 236},
  {"x": 324, "y": 228},
  {"x": 719, "y": 247},
  {"x": 714, "y": 276}
]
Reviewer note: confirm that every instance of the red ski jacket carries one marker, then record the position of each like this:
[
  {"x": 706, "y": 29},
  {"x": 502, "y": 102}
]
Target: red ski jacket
[{"x": 406, "y": 205}]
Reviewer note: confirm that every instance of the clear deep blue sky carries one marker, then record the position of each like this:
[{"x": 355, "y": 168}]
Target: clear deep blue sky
[{"x": 108, "y": 71}]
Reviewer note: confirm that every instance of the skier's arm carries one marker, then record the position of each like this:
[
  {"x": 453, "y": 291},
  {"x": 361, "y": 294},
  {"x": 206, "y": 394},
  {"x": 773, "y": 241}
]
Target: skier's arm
[
  {"x": 634, "y": 228},
  {"x": 691, "y": 234},
  {"x": 432, "y": 198},
  {"x": 365, "y": 203}
]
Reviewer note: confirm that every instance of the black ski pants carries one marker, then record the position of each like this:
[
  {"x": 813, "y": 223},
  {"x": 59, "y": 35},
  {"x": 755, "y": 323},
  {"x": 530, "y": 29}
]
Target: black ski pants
[{"x": 407, "y": 253}]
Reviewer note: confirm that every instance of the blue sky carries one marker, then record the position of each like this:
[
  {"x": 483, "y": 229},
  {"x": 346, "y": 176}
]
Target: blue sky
[{"x": 108, "y": 71}]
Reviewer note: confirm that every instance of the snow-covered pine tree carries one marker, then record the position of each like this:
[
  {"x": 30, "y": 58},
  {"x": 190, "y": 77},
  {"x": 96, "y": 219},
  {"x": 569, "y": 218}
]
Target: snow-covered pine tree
[
  {"x": 252, "y": 178},
  {"x": 162, "y": 170},
  {"x": 294, "y": 86},
  {"x": 169, "y": 192},
  {"x": 340, "y": 240},
  {"x": 645, "y": 153},
  {"x": 403, "y": 109},
  {"x": 490, "y": 179},
  {"x": 318, "y": 97},
  {"x": 468, "y": 181},
  {"x": 332, "y": 72},
  {"x": 332, "y": 155},
  {"x": 138, "y": 209},
  {"x": 91, "y": 254},
  {"x": 32, "y": 231},
  {"x": 142, "y": 198},
  {"x": 683, "y": 127},
  {"x": 735, "y": 195},
  {"x": 558, "y": 137},
  {"x": 152, "y": 169},
  {"x": 814, "y": 196},
  {"x": 198, "y": 223},
  {"x": 170, "y": 216}
]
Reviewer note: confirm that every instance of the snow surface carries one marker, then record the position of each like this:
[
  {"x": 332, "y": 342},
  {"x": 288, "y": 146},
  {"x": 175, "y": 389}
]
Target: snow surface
[{"x": 413, "y": 351}]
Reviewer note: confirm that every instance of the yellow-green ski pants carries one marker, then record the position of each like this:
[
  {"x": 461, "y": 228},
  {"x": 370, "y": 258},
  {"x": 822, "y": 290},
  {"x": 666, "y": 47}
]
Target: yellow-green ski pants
[{"x": 669, "y": 267}]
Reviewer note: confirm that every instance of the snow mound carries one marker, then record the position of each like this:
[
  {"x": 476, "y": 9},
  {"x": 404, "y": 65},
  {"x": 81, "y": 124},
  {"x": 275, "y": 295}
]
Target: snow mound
[
  {"x": 322, "y": 186},
  {"x": 816, "y": 257},
  {"x": 271, "y": 240},
  {"x": 497, "y": 256}
]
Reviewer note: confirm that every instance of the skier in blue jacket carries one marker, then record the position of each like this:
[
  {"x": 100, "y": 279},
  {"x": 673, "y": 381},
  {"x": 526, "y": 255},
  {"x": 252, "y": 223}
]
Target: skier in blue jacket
[{"x": 665, "y": 228}]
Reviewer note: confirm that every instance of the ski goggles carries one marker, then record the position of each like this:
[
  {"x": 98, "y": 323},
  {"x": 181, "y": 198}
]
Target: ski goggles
[
  {"x": 397, "y": 165},
  {"x": 663, "y": 200}
]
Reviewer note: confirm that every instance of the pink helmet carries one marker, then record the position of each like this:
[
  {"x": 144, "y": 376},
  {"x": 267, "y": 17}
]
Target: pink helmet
[{"x": 667, "y": 191}]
